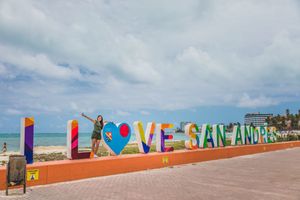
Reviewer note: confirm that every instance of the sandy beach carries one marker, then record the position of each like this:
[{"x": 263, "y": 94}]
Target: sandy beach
[
  {"x": 49, "y": 153},
  {"x": 45, "y": 153},
  {"x": 39, "y": 150}
]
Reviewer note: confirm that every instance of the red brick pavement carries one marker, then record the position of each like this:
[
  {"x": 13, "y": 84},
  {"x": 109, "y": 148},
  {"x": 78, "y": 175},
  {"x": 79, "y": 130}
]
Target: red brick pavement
[{"x": 272, "y": 175}]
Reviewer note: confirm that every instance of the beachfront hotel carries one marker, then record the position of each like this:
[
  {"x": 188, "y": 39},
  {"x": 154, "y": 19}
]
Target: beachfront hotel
[{"x": 257, "y": 119}]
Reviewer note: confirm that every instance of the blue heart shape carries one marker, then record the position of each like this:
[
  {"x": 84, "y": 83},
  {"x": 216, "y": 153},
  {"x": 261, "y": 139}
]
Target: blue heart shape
[{"x": 115, "y": 137}]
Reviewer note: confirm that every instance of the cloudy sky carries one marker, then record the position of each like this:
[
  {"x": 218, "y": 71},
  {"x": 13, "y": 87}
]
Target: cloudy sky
[{"x": 167, "y": 61}]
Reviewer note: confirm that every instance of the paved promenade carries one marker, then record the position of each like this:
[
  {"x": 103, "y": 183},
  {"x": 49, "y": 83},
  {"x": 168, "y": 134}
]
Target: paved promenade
[{"x": 273, "y": 175}]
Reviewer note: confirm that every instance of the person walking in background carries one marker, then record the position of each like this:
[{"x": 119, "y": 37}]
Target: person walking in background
[
  {"x": 96, "y": 135},
  {"x": 4, "y": 148}
]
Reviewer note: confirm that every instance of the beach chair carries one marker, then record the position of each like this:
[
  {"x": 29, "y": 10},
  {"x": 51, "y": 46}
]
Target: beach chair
[{"x": 16, "y": 172}]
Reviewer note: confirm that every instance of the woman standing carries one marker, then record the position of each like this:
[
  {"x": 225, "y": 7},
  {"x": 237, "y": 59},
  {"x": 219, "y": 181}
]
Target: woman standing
[{"x": 96, "y": 135}]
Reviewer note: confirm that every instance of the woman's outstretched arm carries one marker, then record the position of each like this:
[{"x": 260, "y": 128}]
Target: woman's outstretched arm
[{"x": 87, "y": 117}]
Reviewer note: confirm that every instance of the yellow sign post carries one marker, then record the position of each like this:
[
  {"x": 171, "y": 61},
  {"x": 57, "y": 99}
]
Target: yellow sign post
[
  {"x": 165, "y": 160},
  {"x": 33, "y": 175}
]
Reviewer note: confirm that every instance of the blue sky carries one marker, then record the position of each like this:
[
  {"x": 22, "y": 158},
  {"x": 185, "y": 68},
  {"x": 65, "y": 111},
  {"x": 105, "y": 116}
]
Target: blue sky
[{"x": 164, "y": 61}]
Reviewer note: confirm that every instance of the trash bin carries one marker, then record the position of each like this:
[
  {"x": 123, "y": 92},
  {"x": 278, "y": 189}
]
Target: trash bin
[{"x": 16, "y": 172}]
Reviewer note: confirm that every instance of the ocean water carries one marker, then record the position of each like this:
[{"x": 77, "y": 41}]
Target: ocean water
[{"x": 60, "y": 139}]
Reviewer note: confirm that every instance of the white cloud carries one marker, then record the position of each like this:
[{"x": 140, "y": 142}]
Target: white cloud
[
  {"x": 36, "y": 64},
  {"x": 92, "y": 55},
  {"x": 74, "y": 106},
  {"x": 122, "y": 113},
  {"x": 144, "y": 112},
  {"x": 2, "y": 70},
  {"x": 260, "y": 101},
  {"x": 13, "y": 111}
]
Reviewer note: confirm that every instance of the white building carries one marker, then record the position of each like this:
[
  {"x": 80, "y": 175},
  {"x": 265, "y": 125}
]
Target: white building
[
  {"x": 257, "y": 119},
  {"x": 183, "y": 124}
]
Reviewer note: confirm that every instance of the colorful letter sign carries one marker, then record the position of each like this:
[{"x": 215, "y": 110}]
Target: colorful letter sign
[
  {"x": 161, "y": 137},
  {"x": 190, "y": 131},
  {"x": 26, "y": 138},
  {"x": 247, "y": 134},
  {"x": 237, "y": 136},
  {"x": 206, "y": 139},
  {"x": 115, "y": 137},
  {"x": 144, "y": 140},
  {"x": 219, "y": 135},
  {"x": 252, "y": 135},
  {"x": 72, "y": 142},
  {"x": 272, "y": 135},
  {"x": 263, "y": 134}
]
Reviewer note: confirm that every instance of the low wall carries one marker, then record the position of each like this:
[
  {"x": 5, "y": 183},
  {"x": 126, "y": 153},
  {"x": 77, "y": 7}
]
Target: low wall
[{"x": 68, "y": 170}]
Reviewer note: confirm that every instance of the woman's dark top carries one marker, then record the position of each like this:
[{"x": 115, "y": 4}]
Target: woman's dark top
[{"x": 97, "y": 130}]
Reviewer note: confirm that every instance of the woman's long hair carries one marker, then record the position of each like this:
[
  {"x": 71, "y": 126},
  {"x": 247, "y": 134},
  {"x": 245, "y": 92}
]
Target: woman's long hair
[{"x": 101, "y": 122}]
